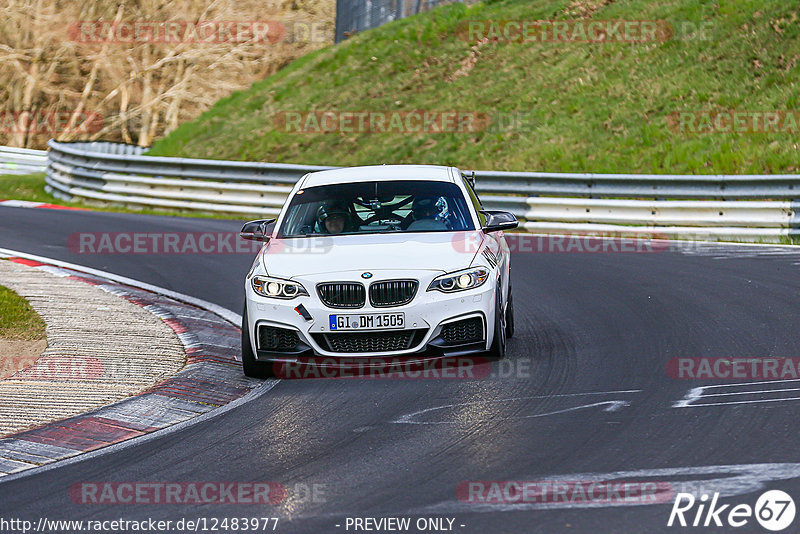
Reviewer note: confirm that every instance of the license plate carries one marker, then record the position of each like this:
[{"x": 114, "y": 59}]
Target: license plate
[{"x": 368, "y": 321}]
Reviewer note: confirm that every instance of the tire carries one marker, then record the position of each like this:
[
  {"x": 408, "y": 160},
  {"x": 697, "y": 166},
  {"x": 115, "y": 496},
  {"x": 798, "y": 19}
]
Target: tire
[
  {"x": 510, "y": 313},
  {"x": 251, "y": 367},
  {"x": 498, "y": 349}
]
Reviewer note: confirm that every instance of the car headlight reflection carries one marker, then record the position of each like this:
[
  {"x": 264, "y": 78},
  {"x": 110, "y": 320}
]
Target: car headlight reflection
[
  {"x": 277, "y": 288},
  {"x": 460, "y": 280}
]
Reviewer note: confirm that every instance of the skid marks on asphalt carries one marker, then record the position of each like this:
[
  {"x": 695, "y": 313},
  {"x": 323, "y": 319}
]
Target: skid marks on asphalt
[{"x": 491, "y": 410}]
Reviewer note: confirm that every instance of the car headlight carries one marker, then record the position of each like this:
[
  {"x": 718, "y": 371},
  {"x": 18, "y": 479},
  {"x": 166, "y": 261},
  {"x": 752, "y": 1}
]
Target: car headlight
[
  {"x": 460, "y": 280},
  {"x": 277, "y": 288}
]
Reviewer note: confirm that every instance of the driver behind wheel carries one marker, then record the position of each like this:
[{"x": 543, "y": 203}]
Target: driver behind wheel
[{"x": 333, "y": 219}]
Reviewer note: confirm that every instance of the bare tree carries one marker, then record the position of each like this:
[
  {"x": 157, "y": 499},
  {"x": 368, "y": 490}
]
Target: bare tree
[{"x": 64, "y": 79}]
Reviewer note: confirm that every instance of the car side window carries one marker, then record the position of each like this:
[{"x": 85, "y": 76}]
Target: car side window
[{"x": 476, "y": 201}]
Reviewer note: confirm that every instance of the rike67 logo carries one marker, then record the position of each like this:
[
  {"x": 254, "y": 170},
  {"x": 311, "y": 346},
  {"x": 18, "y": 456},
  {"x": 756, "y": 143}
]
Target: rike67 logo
[{"x": 774, "y": 511}]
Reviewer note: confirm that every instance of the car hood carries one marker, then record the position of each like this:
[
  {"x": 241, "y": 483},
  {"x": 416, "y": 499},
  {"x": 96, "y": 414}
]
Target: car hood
[{"x": 434, "y": 251}]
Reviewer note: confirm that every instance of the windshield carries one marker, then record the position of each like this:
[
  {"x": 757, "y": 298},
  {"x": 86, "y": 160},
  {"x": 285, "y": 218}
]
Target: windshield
[{"x": 377, "y": 207}]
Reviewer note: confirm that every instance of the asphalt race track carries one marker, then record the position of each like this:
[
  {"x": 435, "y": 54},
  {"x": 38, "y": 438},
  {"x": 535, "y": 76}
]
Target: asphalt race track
[{"x": 583, "y": 395}]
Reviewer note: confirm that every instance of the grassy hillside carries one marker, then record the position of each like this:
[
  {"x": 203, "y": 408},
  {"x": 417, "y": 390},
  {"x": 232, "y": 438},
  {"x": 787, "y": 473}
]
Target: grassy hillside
[{"x": 600, "y": 107}]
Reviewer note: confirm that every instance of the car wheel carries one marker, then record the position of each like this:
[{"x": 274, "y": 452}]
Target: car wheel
[
  {"x": 250, "y": 366},
  {"x": 510, "y": 313},
  {"x": 498, "y": 349}
]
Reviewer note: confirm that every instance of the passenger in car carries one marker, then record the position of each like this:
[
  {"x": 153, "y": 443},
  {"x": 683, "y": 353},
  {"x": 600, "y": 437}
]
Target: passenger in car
[{"x": 423, "y": 215}]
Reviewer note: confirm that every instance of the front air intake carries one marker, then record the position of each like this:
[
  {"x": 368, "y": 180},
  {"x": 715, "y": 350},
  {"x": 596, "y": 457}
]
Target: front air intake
[
  {"x": 463, "y": 331},
  {"x": 373, "y": 341},
  {"x": 277, "y": 339}
]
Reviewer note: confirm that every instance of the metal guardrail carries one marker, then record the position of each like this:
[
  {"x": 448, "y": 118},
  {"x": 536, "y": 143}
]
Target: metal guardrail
[
  {"x": 697, "y": 206},
  {"x": 657, "y": 186},
  {"x": 741, "y": 220},
  {"x": 22, "y": 160},
  {"x": 104, "y": 172}
]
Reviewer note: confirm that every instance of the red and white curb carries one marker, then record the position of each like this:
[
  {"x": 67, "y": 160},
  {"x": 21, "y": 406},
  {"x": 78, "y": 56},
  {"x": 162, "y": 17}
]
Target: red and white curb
[
  {"x": 212, "y": 378},
  {"x": 100, "y": 349},
  {"x": 31, "y": 204}
]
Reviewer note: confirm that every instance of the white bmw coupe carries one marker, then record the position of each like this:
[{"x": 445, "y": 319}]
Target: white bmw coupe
[{"x": 390, "y": 260}]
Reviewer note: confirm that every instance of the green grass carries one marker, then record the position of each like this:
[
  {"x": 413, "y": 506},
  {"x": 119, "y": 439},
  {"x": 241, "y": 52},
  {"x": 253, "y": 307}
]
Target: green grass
[
  {"x": 591, "y": 107},
  {"x": 18, "y": 321},
  {"x": 31, "y": 187},
  {"x": 24, "y": 187}
]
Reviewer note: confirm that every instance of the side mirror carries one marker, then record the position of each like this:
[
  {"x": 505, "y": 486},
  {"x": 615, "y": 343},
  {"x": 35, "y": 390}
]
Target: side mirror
[
  {"x": 260, "y": 230},
  {"x": 499, "y": 220}
]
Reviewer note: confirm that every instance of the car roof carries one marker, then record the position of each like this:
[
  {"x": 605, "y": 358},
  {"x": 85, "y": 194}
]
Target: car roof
[{"x": 437, "y": 173}]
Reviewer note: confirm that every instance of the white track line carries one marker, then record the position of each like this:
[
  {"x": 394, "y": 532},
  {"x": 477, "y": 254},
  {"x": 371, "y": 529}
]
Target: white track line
[
  {"x": 749, "y": 392},
  {"x": 738, "y": 402}
]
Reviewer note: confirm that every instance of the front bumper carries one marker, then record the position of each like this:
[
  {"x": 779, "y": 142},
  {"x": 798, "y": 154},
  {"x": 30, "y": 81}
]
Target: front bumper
[{"x": 425, "y": 318}]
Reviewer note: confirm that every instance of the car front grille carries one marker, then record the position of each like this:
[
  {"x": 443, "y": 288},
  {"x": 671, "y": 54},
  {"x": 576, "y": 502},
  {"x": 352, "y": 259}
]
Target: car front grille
[
  {"x": 463, "y": 331},
  {"x": 277, "y": 339},
  {"x": 370, "y": 341},
  {"x": 342, "y": 294},
  {"x": 392, "y": 293}
]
